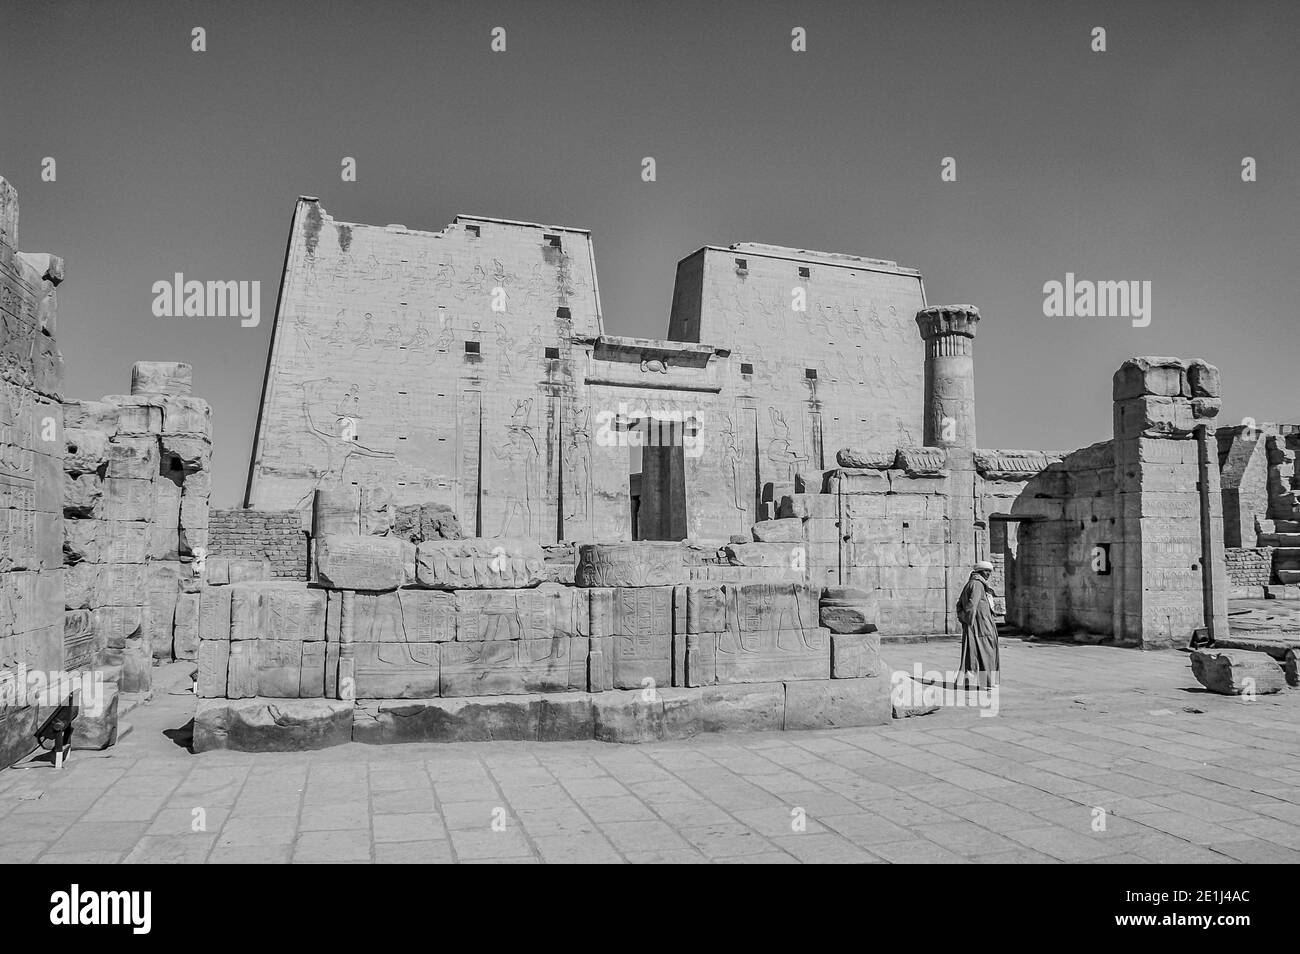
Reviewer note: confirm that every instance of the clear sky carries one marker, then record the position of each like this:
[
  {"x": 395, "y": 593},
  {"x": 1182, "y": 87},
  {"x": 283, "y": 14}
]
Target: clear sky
[{"x": 1122, "y": 165}]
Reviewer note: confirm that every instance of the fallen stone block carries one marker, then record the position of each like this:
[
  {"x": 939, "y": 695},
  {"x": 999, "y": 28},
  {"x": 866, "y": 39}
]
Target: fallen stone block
[
  {"x": 1232, "y": 672},
  {"x": 271, "y": 725},
  {"x": 629, "y": 564},
  {"x": 95, "y": 726}
]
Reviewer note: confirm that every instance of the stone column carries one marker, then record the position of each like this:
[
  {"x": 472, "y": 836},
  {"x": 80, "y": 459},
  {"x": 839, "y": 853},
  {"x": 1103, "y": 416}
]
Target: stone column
[{"x": 949, "y": 335}]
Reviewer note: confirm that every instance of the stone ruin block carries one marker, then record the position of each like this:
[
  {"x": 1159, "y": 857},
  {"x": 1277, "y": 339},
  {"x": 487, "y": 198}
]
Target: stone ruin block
[
  {"x": 766, "y": 607},
  {"x": 701, "y": 608},
  {"x": 398, "y": 616},
  {"x": 846, "y": 481},
  {"x": 396, "y": 670},
  {"x": 97, "y": 416},
  {"x": 626, "y": 662},
  {"x": 276, "y": 611},
  {"x": 1232, "y": 672},
  {"x": 548, "y": 611},
  {"x": 855, "y": 655},
  {"x": 161, "y": 377},
  {"x": 866, "y": 458},
  {"x": 365, "y": 562},
  {"x": 781, "y": 530},
  {"x": 772, "y": 655},
  {"x": 923, "y": 461},
  {"x": 846, "y": 610},
  {"x": 1160, "y": 377},
  {"x": 632, "y": 611},
  {"x": 418, "y": 523},
  {"x": 136, "y": 418},
  {"x": 185, "y": 639},
  {"x": 695, "y": 659},
  {"x": 85, "y": 451},
  {"x": 496, "y": 667},
  {"x": 271, "y": 725},
  {"x": 629, "y": 564},
  {"x": 133, "y": 457},
  {"x": 479, "y": 563},
  {"x": 182, "y": 453},
  {"x": 786, "y": 556},
  {"x": 214, "y": 664},
  {"x": 814, "y": 506}
]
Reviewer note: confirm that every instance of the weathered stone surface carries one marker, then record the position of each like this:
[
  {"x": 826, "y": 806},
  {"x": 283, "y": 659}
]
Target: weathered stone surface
[
  {"x": 706, "y": 608},
  {"x": 403, "y": 616},
  {"x": 276, "y": 610},
  {"x": 631, "y": 610},
  {"x": 1234, "y": 671},
  {"x": 185, "y": 631},
  {"x": 161, "y": 377},
  {"x": 271, "y": 725},
  {"x": 184, "y": 453},
  {"x": 632, "y": 662},
  {"x": 214, "y": 665},
  {"x": 646, "y": 715},
  {"x": 543, "y": 612},
  {"x": 1162, "y": 377},
  {"x": 553, "y": 717},
  {"x": 629, "y": 564},
  {"x": 364, "y": 562},
  {"x": 923, "y": 461},
  {"x": 98, "y": 416},
  {"x": 855, "y": 655},
  {"x": 95, "y": 727},
  {"x": 135, "y": 457},
  {"x": 867, "y": 458},
  {"x": 786, "y": 556},
  {"x": 1204, "y": 379},
  {"x": 837, "y": 703},
  {"x": 479, "y": 563},
  {"x": 85, "y": 451},
  {"x": 1013, "y": 465},
  {"x": 418, "y": 523},
  {"x": 81, "y": 495},
  {"x": 847, "y": 610},
  {"x": 772, "y": 655},
  {"x": 781, "y": 530},
  {"x": 494, "y": 667},
  {"x": 403, "y": 671}
]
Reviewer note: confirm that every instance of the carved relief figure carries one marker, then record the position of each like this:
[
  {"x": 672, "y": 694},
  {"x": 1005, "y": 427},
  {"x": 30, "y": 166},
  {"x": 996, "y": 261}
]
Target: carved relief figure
[
  {"x": 519, "y": 458},
  {"x": 781, "y": 450}
]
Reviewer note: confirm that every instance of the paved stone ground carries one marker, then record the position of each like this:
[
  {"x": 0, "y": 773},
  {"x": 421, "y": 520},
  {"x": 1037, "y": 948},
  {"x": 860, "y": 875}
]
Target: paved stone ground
[{"x": 1181, "y": 775}]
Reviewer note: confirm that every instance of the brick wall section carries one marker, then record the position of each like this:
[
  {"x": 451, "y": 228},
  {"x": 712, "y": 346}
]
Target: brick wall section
[
  {"x": 274, "y": 535},
  {"x": 1249, "y": 566}
]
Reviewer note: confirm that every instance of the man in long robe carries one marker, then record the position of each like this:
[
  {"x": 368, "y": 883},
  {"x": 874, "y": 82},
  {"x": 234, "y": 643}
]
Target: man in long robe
[{"x": 979, "y": 632}]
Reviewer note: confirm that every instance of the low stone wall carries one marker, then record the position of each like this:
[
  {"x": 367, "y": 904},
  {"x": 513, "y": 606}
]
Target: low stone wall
[
  {"x": 1249, "y": 566},
  {"x": 272, "y": 535},
  {"x": 476, "y": 619}
]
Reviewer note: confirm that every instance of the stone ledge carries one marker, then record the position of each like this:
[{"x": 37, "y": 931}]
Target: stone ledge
[
  {"x": 271, "y": 725},
  {"x": 622, "y": 716}
]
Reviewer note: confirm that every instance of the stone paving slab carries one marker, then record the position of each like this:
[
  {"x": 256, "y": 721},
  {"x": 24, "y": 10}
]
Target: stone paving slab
[{"x": 1084, "y": 735}]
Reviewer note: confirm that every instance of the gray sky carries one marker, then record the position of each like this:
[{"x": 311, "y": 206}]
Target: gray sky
[{"x": 1117, "y": 165}]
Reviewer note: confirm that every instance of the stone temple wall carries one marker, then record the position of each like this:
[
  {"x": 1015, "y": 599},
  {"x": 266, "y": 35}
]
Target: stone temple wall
[
  {"x": 469, "y": 367},
  {"x": 1138, "y": 518},
  {"x": 136, "y": 483},
  {"x": 462, "y": 639},
  {"x": 275, "y": 536},
  {"x": 31, "y": 517}
]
